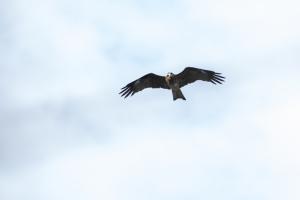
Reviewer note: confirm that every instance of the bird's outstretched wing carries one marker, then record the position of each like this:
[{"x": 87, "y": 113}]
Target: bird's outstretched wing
[
  {"x": 192, "y": 74},
  {"x": 148, "y": 81}
]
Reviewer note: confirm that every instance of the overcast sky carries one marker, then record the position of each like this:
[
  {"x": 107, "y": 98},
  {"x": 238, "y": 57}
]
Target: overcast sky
[{"x": 66, "y": 134}]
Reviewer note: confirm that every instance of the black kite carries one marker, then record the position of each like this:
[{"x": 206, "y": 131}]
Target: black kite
[{"x": 172, "y": 81}]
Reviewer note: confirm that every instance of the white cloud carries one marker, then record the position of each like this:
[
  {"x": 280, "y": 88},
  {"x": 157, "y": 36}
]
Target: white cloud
[
  {"x": 160, "y": 166},
  {"x": 66, "y": 134}
]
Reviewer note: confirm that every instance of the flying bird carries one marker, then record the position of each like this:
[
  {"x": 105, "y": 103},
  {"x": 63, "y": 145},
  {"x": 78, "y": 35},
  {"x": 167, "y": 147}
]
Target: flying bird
[{"x": 171, "y": 81}]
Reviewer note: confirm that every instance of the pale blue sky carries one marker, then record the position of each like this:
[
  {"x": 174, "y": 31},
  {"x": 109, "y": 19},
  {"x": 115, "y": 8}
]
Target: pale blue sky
[{"x": 66, "y": 134}]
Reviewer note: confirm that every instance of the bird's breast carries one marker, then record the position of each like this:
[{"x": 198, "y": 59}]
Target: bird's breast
[{"x": 172, "y": 83}]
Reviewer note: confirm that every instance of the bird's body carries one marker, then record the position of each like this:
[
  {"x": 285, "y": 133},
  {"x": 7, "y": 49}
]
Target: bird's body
[
  {"x": 173, "y": 84},
  {"x": 172, "y": 81}
]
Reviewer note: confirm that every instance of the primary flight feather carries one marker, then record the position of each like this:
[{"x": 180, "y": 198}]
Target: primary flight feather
[{"x": 172, "y": 81}]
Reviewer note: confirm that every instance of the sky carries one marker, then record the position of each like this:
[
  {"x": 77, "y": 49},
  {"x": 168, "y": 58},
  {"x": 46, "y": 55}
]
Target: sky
[{"x": 65, "y": 133}]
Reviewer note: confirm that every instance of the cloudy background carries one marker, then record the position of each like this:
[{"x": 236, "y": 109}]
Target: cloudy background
[{"x": 66, "y": 134}]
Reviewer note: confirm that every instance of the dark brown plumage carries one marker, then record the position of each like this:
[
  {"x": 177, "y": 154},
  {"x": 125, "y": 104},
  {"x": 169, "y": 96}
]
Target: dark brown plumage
[
  {"x": 192, "y": 74},
  {"x": 172, "y": 81},
  {"x": 148, "y": 81}
]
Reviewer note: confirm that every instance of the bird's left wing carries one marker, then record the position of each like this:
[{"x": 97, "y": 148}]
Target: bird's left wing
[
  {"x": 192, "y": 74},
  {"x": 148, "y": 81}
]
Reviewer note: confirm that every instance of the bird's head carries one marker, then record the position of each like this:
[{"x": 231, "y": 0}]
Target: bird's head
[{"x": 170, "y": 75}]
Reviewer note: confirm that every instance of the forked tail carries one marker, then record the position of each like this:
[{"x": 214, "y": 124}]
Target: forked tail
[{"x": 177, "y": 94}]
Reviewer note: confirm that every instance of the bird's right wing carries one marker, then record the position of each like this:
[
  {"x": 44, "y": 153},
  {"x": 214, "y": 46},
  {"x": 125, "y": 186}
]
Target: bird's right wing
[{"x": 148, "y": 81}]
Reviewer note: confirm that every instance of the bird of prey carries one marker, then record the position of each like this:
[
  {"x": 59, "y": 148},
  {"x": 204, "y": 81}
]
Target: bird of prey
[{"x": 171, "y": 81}]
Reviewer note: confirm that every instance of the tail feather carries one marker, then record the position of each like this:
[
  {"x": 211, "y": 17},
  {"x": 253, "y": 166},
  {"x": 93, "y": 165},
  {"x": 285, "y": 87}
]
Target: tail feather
[{"x": 177, "y": 94}]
